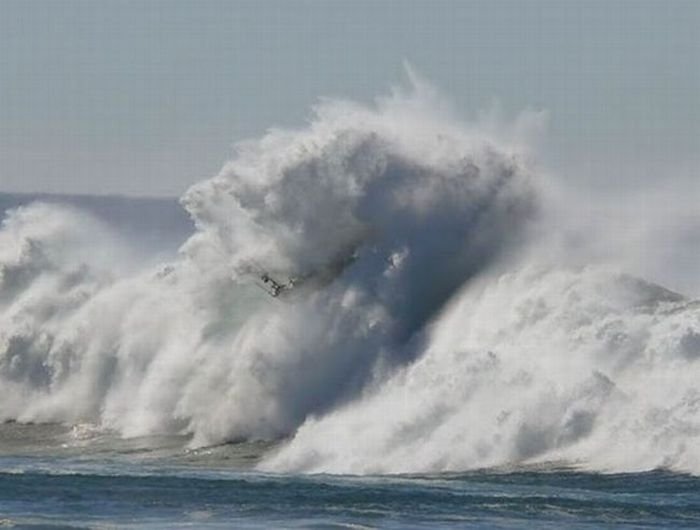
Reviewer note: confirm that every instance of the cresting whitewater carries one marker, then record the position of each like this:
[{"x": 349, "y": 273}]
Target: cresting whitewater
[{"x": 430, "y": 334}]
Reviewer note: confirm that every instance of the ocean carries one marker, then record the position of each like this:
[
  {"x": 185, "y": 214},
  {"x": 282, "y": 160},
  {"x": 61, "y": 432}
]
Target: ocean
[
  {"x": 379, "y": 320},
  {"x": 58, "y": 477}
]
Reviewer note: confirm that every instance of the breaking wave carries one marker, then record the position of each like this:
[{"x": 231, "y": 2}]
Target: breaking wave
[
  {"x": 364, "y": 288},
  {"x": 589, "y": 368}
]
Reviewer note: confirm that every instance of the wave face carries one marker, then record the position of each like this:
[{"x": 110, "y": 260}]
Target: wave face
[{"x": 416, "y": 328}]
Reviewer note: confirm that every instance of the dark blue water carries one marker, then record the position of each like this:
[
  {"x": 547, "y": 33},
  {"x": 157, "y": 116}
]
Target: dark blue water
[{"x": 38, "y": 492}]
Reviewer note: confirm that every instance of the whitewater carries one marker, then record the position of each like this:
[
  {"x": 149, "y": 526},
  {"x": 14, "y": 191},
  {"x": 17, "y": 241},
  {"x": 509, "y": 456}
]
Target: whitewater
[{"x": 442, "y": 318}]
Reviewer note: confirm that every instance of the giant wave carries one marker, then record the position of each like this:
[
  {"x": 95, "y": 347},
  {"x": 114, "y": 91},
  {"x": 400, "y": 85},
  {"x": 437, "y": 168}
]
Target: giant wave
[{"x": 426, "y": 336}]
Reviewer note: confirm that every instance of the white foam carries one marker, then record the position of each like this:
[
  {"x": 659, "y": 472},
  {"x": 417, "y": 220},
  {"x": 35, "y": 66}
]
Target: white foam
[
  {"x": 427, "y": 331},
  {"x": 385, "y": 210},
  {"x": 589, "y": 367}
]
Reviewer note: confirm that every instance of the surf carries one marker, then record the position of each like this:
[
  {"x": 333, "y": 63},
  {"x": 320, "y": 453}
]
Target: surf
[{"x": 422, "y": 323}]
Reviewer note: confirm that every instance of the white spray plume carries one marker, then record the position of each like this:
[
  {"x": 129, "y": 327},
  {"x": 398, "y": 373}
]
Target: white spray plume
[
  {"x": 418, "y": 328},
  {"x": 383, "y": 211}
]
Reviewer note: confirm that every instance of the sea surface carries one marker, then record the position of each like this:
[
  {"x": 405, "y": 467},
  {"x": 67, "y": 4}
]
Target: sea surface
[{"x": 53, "y": 476}]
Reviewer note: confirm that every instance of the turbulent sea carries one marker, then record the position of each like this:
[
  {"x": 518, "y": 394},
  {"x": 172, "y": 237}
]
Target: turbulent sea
[
  {"x": 388, "y": 318},
  {"x": 56, "y": 477}
]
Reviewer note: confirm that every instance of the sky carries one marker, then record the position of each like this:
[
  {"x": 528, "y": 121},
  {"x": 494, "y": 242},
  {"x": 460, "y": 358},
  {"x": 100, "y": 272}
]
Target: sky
[{"x": 148, "y": 97}]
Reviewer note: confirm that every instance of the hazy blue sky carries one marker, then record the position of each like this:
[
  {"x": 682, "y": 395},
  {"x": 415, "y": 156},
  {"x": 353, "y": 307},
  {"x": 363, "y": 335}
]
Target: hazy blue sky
[{"x": 146, "y": 97}]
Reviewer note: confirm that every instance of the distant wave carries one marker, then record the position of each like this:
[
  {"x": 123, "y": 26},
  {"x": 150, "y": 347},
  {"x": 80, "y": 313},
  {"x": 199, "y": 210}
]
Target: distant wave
[
  {"x": 416, "y": 327},
  {"x": 151, "y": 225}
]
